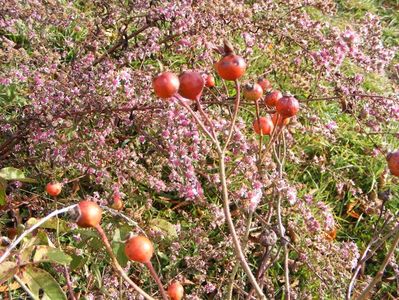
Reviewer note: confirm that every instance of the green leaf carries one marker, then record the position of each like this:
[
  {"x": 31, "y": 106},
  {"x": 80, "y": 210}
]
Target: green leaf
[
  {"x": 49, "y": 254},
  {"x": 78, "y": 261},
  {"x": 11, "y": 173},
  {"x": 7, "y": 270},
  {"x": 97, "y": 274},
  {"x": 51, "y": 224},
  {"x": 165, "y": 226},
  {"x": 3, "y": 186},
  {"x": 40, "y": 238},
  {"x": 38, "y": 280},
  {"x": 119, "y": 250}
]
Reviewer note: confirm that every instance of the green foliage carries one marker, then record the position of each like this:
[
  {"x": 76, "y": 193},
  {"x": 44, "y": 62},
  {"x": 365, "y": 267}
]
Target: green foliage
[{"x": 42, "y": 283}]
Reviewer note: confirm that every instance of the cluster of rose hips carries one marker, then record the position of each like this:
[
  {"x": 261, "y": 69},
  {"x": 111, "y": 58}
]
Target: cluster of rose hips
[
  {"x": 285, "y": 106},
  {"x": 190, "y": 85}
]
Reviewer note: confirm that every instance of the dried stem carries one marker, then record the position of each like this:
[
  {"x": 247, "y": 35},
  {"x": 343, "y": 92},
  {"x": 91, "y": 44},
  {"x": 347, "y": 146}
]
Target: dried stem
[
  {"x": 205, "y": 116},
  {"x": 364, "y": 295},
  {"x": 365, "y": 255},
  {"x": 261, "y": 269},
  {"x": 225, "y": 194},
  {"x": 157, "y": 280},
  {"x": 117, "y": 266},
  {"x": 236, "y": 242},
  {"x": 122, "y": 41},
  {"x": 31, "y": 229}
]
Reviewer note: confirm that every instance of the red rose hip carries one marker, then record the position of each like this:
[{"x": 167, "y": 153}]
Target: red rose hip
[
  {"x": 191, "y": 85},
  {"x": 53, "y": 188},
  {"x": 231, "y": 67},
  {"x": 287, "y": 106},
  {"x": 393, "y": 163},
  {"x": 264, "y": 124},
  {"x": 264, "y": 83},
  {"x": 89, "y": 214},
  {"x": 166, "y": 85},
  {"x": 272, "y": 97},
  {"x": 253, "y": 92},
  {"x": 209, "y": 81},
  {"x": 175, "y": 291},
  {"x": 139, "y": 248}
]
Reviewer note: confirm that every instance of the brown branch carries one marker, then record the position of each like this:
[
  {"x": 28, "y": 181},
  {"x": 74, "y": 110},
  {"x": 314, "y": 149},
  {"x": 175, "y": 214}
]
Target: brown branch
[
  {"x": 121, "y": 41},
  {"x": 378, "y": 276}
]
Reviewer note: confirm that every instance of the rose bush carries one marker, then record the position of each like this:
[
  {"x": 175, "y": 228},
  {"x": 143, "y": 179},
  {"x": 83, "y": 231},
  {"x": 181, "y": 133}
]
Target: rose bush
[{"x": 79, "y": 108}]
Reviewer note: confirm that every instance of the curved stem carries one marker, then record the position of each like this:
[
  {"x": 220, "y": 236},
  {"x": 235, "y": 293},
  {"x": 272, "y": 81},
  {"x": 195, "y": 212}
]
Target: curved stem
[
  {"x": 282, "y": 231},
  {"x": 236, "y": 242},
  {"x": 31, "y": 229},
  {"x": 117, "y": 266},
  {"x": 199, "y": 122},
  {"x": 157, "y": 280},
  {"x": 207, "y": 119},
  {"x": 244, "y": 244}
]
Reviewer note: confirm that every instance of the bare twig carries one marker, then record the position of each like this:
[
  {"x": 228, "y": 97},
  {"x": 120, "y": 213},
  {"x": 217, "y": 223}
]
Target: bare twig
[
  {"x": 380, "y": 272},
  {"x": 121, "y": 42},
  {"x": 199, "y": 122},
  {"x": 244, "y": 244},
  {"x": 222, "y": 171}
]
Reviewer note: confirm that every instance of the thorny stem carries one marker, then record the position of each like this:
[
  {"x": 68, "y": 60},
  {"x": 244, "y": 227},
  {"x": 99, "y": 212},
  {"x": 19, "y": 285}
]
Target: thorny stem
[
  {"x": 157, "y": 280},
  {"x": 31, "y": 229},
  {"x": 378, "y": 276},
  {"x": 116, "y": 264}
]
